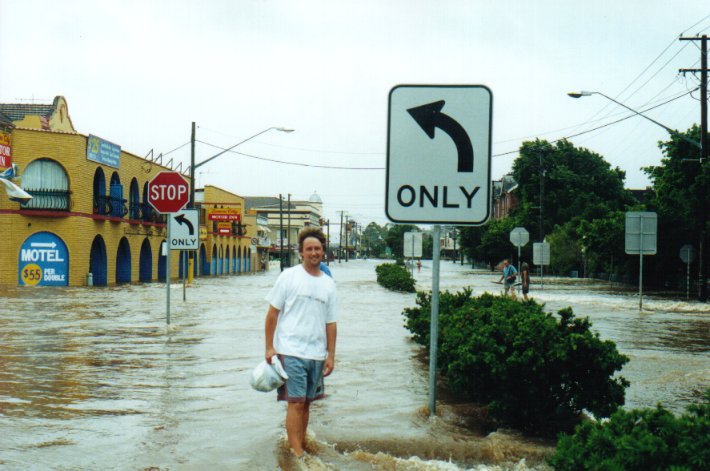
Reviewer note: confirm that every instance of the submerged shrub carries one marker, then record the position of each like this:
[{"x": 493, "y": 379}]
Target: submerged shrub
[
  {"x": 395, "y": 277},
  {"x": 646, "y": 439},
  {"x": 531, "y": 368}
]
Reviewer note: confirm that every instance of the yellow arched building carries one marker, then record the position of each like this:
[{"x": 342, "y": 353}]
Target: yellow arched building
[{"x": 89, "y": 220}]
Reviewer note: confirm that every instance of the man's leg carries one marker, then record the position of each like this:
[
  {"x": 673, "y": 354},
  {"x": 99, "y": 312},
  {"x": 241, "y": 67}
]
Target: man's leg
[
  {"x": 296, "y": 423},
  {"x": 306, "y": 415}
]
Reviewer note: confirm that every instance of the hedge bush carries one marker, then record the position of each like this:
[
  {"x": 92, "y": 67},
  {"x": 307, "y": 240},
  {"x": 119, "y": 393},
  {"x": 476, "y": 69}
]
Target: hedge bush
[
  {"x": 395, "y": 277},
  {"x": 648, "y": 439},
  {"x": 532, "y": 369}
]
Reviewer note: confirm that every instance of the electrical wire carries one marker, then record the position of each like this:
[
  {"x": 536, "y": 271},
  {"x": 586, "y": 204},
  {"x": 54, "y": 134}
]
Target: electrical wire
[
  {"x": 605, "y": 125},
  {"x": 299, "y": 164}
]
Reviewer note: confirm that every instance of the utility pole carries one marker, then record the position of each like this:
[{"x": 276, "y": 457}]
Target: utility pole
[
  {"x": 327, "y": 240},
  {"x": 288, "y": 232},
  {"x": 702, "y": 245},
  {"x": 281, "y": 231},
  {"x": 340, "y": 237},
  {"x": 193, "y": 253}
]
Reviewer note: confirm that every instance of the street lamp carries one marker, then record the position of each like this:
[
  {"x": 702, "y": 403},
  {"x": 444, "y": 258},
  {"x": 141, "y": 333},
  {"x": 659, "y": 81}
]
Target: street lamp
[
  {"x": 702, "y": 289},
  {"x": 193, "y": 165},
  {"x": 673, "y": 132}
]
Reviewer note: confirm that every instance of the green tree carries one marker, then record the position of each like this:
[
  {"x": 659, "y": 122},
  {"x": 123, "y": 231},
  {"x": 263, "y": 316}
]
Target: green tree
[
  {"x": 373, "y": 239},
  {"x": 682, "y": 200},
  {"x": 577, "y": 183},
  {"x": 395, "y": 238}
]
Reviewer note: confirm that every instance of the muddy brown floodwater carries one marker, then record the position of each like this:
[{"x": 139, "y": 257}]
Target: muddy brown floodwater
[{"x": 93, "y": 378}]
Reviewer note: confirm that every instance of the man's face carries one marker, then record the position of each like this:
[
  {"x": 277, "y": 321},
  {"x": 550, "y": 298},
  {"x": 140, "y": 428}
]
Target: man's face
[{"x": 312, "y": 252}]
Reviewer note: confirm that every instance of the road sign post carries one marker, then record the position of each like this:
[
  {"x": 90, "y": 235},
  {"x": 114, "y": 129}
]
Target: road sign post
[
  {"x": 168, "y": 192},
  {"x": 541, "y": 257},
  {"x": 640, "y": 238},
  {"x": 412, "y": 247},
  {"x": 519, "y": 237},
  {"x": 438, "y": 177},
  {"x": 687, "y": 254}
]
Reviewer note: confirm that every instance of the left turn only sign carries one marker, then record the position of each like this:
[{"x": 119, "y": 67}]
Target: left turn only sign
[
  {"x": 184, "y": 230},
  {"x": 439, "y": 154}
]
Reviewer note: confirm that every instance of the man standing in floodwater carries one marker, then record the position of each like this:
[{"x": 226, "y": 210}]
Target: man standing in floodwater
[{"x": 301, "y": 328}]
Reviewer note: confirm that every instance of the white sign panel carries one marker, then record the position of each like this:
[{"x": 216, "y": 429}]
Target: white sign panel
[
  {"x": 541, "y": 253},
  {"x": 413, "y": 244},
  {"x": 184, "y": 230},
  {"x": 439, "y": 154},
  {"x": 641, "y": 232}
]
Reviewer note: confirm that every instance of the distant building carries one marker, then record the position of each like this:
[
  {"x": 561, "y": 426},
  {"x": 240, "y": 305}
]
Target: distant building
[
  {"x": 284, "y": 220},
  {"x": 504, "y": 197}
]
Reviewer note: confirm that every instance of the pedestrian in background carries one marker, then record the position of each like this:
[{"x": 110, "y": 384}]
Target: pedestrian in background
[
  {"x": 525, "y": 279},
  {"x": 301, "y": 328},
  {"x": 508, "y": 278}
]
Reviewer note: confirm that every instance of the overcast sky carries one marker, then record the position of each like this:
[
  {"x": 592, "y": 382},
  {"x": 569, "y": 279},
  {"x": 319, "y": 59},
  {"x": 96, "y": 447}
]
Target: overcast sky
[{"x": 138, "y": 73}]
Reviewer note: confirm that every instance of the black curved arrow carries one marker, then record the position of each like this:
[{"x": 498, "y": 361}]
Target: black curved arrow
[
  {"x": 181, "y": 219},
  {"x": 430, "y": 117}
]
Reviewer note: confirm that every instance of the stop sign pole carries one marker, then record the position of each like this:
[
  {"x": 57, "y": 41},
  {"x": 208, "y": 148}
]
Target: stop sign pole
[{"x": 168, "y": 193}]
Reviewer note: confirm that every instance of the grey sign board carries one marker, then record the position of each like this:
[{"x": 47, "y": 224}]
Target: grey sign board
[{"x": 641, "y": 229}]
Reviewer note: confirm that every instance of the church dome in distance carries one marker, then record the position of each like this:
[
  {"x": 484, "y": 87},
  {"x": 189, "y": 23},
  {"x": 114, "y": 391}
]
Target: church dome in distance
[{"x": 315, "y": 198}]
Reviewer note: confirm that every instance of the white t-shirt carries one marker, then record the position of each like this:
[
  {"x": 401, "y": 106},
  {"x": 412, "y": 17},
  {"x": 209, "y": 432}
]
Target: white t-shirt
[{"x": 306, "y": 304}]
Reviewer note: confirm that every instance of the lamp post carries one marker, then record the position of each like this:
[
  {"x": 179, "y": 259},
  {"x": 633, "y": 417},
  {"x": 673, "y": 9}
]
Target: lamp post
[
  {"x": 673, "y": 132},
  {"x": 193, "y": 165},
  {"x": 702, "y": 289}
]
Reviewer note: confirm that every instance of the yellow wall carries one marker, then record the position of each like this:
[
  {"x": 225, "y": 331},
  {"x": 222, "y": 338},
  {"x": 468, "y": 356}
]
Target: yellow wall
[{"x": 79, "y": 226}]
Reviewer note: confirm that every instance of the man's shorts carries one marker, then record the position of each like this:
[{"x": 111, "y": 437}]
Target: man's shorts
[{"x": 305, "y": 380}]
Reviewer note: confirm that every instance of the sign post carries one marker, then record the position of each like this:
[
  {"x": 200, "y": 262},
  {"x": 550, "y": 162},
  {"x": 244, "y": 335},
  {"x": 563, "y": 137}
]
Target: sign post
[
  {"x": 438, "y": 169},
  {"x": 168, "y": 192},
  {"x": 641, "y": 239},
  {"x": 412, "y": 247},
  {"x": 519, "y": 237},
  {"x": 541, "y": 257},
  {"x": 687, "y": 254}
]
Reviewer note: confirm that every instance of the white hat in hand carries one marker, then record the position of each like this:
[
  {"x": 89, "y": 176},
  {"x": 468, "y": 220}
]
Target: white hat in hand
[{"x": 267, "y": 377}]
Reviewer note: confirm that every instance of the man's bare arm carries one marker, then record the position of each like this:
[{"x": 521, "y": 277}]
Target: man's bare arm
[{"x": 272, "y": 317}]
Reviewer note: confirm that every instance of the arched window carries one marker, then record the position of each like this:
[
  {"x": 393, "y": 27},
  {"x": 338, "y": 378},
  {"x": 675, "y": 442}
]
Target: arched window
[
  {"x": 134, "y": 203},
  {"x": 48, "y": 184},
  {"x": 100, "y": 200},
  {"x": 118, "y": 204}
]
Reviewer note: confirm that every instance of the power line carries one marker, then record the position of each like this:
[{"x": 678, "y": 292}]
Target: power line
[
  {"x": 605, "y": 125},
  {"x": 322, "y": 151},
  {"x": 299, "y": 164}
]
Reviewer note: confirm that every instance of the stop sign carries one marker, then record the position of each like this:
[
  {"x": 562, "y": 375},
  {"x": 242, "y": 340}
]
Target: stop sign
[{"x": 168, "y": 192}]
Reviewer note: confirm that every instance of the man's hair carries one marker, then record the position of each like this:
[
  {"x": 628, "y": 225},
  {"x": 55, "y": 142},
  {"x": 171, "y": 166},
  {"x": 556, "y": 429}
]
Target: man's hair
[{"x": 307, "y": 232}]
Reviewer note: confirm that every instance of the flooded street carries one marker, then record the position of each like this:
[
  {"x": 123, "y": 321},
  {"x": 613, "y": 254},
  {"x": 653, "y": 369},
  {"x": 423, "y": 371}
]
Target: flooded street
[{"x": 93, "y": 378}]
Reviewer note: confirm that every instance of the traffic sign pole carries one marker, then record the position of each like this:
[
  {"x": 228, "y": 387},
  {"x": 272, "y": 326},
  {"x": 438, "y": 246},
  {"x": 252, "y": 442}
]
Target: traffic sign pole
[
  {"x": 167, "y": 276},
  {"x": 434, "y": 328}
]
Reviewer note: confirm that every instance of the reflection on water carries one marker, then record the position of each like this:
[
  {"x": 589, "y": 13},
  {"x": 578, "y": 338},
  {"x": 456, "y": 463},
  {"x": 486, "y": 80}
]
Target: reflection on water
[{"x": 93, "y": 378}]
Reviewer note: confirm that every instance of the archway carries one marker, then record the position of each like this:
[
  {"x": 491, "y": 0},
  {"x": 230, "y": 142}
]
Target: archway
[
  {"x": 100, "y": 201},
  {"x": 204, "y": 263},
  {"x": 134, "y": 201},
  {"x": 145, "y": 271},
  {"x": 162, "y": 262},
  {"x": 98, "y": 262},
  {"x": 123, "y": 262}
]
